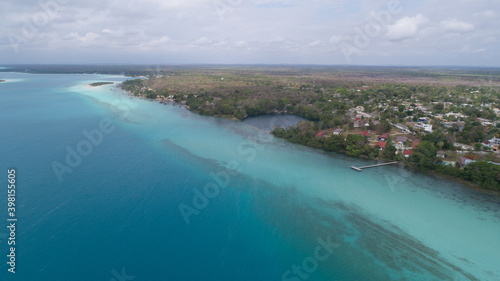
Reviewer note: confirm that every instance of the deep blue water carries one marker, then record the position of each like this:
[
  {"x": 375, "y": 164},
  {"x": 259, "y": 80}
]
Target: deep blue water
[{"x": 119, "y": 210}]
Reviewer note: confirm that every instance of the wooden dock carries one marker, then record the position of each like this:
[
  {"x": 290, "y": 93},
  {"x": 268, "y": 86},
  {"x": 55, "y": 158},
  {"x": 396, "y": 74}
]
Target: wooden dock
[{"x": 359, "y": 169}]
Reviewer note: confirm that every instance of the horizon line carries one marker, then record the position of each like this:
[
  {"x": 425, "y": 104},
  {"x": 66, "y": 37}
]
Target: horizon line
[{"x": 245, "y": 64}]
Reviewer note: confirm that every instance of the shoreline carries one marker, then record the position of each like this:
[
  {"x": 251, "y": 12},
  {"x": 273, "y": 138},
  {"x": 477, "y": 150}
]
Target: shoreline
[
  {"x": 436, "y": 170},
  {"x": 410, "y": 169}
]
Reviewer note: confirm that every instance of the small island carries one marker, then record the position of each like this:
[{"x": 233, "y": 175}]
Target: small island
[
  {"x": 2, "y": 81},
  {"x": 97, "y": 84}
]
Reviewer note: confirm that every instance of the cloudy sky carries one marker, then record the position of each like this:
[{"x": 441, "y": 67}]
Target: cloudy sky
[{"x": 365, "y": 32}]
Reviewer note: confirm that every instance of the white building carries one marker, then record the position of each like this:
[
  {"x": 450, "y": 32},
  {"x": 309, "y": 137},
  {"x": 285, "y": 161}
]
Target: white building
[
  {"x": 457, "y": 115},
  {"x": 425, "y": 127},
  {"x": 494, "y": 140}
]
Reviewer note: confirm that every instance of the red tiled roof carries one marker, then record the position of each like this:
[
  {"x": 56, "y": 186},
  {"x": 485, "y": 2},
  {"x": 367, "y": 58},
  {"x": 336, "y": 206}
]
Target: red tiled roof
[
  {"x": 364, "y": 133},
  {"x": 415, "y": 145},
  {"x": 320, "y": 134},
  {"x": 408, "y": 152},
  {"x": 385, "y": 136},
  {"x": 381, "y": 144}
]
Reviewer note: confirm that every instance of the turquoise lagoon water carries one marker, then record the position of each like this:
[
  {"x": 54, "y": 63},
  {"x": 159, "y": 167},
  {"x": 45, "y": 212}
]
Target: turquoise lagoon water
[{"x": 117, "y": 214}]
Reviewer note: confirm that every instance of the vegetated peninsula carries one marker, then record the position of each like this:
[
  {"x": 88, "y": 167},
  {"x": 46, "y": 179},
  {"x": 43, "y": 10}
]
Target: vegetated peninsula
[
  {"x": 2, "y": 81},
  {"x": 444, "y": 121},
  {"x": 97, "y": 84}
]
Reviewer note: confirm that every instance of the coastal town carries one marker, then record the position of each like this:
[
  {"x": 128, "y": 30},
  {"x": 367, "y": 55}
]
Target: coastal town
[
  {"x": 451, "y": 127},
  {"x": 423, "y": 120}
]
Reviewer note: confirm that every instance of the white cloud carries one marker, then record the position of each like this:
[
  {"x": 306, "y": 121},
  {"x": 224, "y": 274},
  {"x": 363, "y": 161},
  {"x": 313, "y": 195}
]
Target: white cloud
[
  {"x": 88, "y": 37},
  {"x": 268, "y": 31},
  {"x": 221, "y": 43},
  {"x": 456, "y": 26},
  {"x": 489, "y": 39},
  {"x": 277, "y": 39},
  {"x": 240, "y": 44},
  {"x": 467, "y": 49},
  {"x": 158, "y": 42},
  {"x": 176, "y": 4},
  {"x": 336, "y": 39},
  {"x": 405, "y": 28},
  {"x": 315, "y": 43},
  {"x": 203, "y": 41},
  {"x": 486, "y": 14}
]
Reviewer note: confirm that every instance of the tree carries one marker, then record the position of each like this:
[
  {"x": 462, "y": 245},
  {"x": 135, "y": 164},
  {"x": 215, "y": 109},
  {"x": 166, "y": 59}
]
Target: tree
[
  {"x": 486, "y": 175},
  {"x": 355, "y": 144},
  {"x": 478, "y": 146},
  {"x": 424, "y": 157},
  {"x": 353, "y": 150},
  {"x": 354, "y": 139},
  {"x": 383, "y": 127},
  {"x": 335, "y": 143},
  {"x": 427, "y": 148},
  {"x": 389, "y": 152}
]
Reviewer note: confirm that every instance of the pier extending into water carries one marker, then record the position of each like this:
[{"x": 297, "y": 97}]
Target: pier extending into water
[{"x": 359, "y": 169}]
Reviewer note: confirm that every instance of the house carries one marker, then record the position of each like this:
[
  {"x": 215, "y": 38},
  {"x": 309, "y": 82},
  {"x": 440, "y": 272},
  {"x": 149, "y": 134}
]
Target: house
[
  {"x": 400, "y": 142},
  {"x": 357, "y": 124},
  {"x": 497, "y": 111},
  {"x": 440, "y": 154},
  {"x": 494, "y": 140},
  {"x": 456, "y": 115},
  {"x": 463, "y": 146},
  {"x": 415, "y": 145},
  {"x": 407, "y": 153},
  {"x": 401, "y": 139},
  {"x": 320, "y": 134},
  {"x": 425, "y": 127},
  {"x": 383, "y": 137},
  {"x": 364, "y": 133},
  {"x": 428, "y": 128},
  {"x": 360, "y": 108},
  {"x": 381, "y": 145},
  {"x": 338, "y": 131},
  {"x": 464, "y": 161},
  {"x": 448, "y": 124}
]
